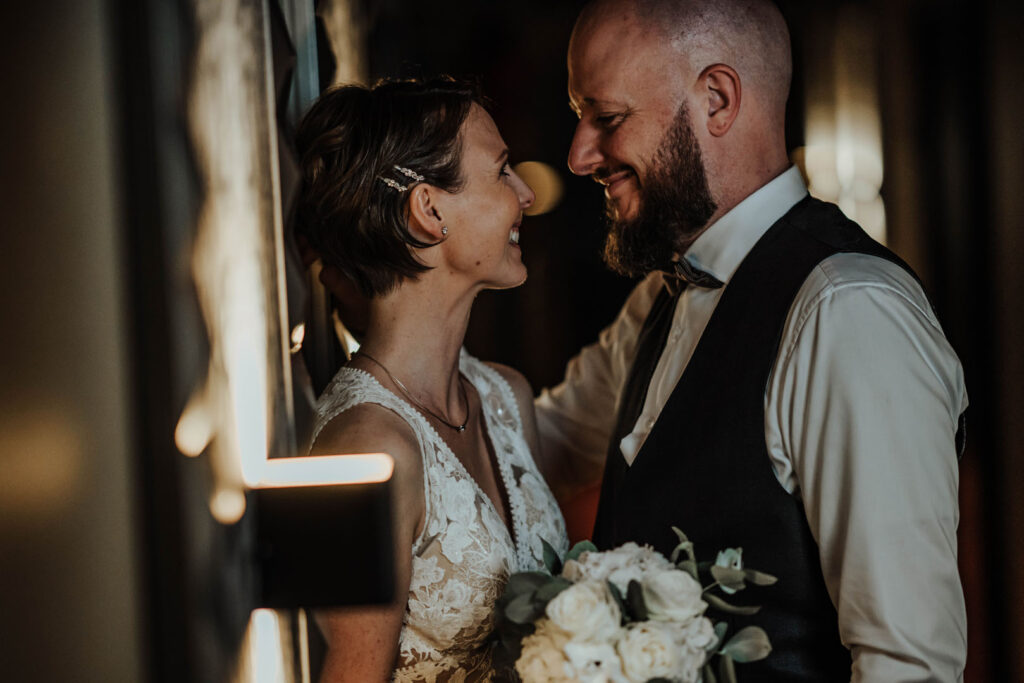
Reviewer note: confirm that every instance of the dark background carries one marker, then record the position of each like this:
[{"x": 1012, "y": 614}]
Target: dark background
[{"x": 109, "y": 566}]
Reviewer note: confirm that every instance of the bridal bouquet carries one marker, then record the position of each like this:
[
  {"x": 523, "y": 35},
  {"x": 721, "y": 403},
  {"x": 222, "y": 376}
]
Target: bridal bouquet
[{"x": 627, "y": 615}]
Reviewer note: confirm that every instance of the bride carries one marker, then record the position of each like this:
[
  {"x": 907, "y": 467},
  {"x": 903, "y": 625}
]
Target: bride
[{"x": 408, "y": 191}]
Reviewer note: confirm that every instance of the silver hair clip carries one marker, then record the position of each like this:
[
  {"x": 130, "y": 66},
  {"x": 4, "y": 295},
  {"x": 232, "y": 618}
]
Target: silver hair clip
[
  {"x": 394, "y": 184},
  {"x": 409, "y": 173}
]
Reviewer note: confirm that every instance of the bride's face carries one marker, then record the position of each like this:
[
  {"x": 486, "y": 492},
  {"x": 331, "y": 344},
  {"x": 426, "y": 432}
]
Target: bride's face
[{"x": 483, "y": 219}]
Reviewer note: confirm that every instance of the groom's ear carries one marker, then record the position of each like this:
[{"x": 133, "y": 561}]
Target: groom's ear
[
  {"x": 425, "y": 220},
  {"x": 724, "y": 92}
]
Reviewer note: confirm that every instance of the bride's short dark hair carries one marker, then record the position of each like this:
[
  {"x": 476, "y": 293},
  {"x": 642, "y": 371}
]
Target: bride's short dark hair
[{"x": 349, "y": 144}]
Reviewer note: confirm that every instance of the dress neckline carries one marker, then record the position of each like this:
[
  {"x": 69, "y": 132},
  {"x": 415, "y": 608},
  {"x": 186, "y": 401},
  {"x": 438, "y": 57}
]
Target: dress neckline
[{"x": 503, "y": 470}]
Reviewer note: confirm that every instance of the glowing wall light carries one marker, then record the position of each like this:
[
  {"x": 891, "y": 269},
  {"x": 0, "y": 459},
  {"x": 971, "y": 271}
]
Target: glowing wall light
[
  {"x": 546, "y": 184},
  {"x": 843, "y": 157}
]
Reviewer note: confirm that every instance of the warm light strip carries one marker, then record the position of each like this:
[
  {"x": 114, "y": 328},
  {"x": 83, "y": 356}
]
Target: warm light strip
[
  {"x": 324, "y": 470},
  {"x": 266, "y": 660}
]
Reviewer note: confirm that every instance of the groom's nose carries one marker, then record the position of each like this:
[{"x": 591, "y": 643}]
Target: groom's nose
[{"x": 584, "y": 154}]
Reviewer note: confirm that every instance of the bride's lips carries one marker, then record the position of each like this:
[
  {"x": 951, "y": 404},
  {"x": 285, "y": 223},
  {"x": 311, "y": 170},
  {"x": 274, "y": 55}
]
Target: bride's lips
[{"x": 513, "y": 235}]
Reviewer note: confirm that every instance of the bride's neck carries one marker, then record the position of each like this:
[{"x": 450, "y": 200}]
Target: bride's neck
[{"x": 416, "y": 332}]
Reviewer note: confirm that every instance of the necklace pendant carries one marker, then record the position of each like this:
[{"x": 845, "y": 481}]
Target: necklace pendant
[{"x": 460, "y": 428}]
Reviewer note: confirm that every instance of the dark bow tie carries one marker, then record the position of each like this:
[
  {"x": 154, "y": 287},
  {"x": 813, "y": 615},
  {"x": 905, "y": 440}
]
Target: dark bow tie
[{"x": 684, "y": 274}]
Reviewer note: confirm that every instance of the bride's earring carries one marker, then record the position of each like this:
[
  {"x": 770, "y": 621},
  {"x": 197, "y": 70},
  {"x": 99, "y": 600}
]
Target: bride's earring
[{"x": 444, "y": 230}]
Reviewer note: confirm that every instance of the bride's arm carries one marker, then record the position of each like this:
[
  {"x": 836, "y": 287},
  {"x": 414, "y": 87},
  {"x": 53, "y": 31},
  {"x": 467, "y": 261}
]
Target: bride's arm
[{"x": 362, "y": 642}]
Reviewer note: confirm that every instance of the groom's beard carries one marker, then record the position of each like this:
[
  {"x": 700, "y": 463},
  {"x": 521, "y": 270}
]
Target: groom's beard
[{"x": 675, "y": 206}]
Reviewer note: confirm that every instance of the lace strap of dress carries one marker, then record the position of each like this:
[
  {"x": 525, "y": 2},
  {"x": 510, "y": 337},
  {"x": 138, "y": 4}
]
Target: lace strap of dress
[{"x": 352, "y": 387}]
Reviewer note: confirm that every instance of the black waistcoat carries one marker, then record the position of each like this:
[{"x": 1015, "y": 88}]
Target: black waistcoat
[{"x": 705, "y": 466}]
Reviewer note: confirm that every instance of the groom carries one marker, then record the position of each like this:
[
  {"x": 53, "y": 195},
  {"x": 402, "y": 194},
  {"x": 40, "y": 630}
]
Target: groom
[{"x": 778, "y": 381}]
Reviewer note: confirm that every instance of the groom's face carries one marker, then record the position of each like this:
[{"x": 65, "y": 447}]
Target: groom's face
[{"x": 636, "y": 138}]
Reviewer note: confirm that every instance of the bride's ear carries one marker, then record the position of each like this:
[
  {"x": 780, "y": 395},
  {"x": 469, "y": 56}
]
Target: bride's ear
[{"x": 426, "y": 222}]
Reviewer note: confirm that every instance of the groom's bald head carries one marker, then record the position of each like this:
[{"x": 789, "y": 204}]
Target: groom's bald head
[
  {"x": 714, "y": 73},
  {"x": 749, "y": 35}
]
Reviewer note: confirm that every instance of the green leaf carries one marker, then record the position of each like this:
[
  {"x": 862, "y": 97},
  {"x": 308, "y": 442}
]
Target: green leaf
[
  {"x": 748, "y": 645},
  {"x": 635, "y": 600},
  {"x": 681, "y": 535},
  {"x": 548, "y": 591},
  {"x": 726, "y": 669},
  {"x": 732, "y": 579},
  {"x": 759, "y": 578},
  {"x": 720, "y": 604},
  {"x": 551, "y": 560},
  {"x": 617, "y": 594},
  {"x": 708, "y": 675},
  {"x": 522, "y": 610},
  {"x": 690, "y": 567},
  {"x": 720, "y": 629},
  {"x": 579, "y": 549},
  {"x": 525, "y": 582}
]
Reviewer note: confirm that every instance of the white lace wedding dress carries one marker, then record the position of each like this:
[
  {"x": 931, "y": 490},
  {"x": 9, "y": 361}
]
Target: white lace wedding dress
[{"x": 464, "y": 555}]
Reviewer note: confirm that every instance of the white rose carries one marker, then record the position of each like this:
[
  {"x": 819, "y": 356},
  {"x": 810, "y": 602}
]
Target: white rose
[
  {"x": 586, "y": 610},
  {"x": 649, "y": 650},
  {"x": 692, "y": 640},
  {"x": 672, "y": 595},
  {"x": 542, "y": 659},
  {"x": 626, "y": 563},
  {"x": 593, "y": 663}
]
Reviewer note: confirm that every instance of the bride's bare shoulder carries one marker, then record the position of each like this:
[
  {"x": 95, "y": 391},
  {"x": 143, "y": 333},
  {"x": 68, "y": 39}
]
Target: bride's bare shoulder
[{"x": 368, "y": 428}]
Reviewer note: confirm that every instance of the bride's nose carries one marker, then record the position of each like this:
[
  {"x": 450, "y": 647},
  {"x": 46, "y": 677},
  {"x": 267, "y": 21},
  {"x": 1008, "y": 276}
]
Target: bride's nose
[{"x": 525, "y": 193}]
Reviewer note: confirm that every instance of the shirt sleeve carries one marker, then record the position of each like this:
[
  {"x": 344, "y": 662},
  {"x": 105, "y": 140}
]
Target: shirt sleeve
[
  {"x": 864, "y": 403},
  {"x": 576, "y": 418}
]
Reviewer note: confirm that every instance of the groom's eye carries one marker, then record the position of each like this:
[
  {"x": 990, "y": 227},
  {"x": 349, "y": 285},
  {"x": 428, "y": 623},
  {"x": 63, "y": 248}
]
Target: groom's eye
[{"x": 609, "y": 120}]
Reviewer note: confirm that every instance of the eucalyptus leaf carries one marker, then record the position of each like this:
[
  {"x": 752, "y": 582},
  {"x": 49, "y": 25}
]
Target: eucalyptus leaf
[
  {"x": 726, "y": 669},
  {"x": 759, "y": 578},
  {"x": 720, "y": 629},
  {"x": 690, "y": 567},
  {"x": 635, "y": 600},
  {"x": 732, "y": 579},
  {"x": 720, "y": 604},
  {"x": 748, "y": 645},
  {"x": 525, "y": 582},
  {"x": 551, "y": 560},
  {"x": 579, "y": 549},
  {"x": 548, "y": 591},
  {"x": 522, "y": 610},
  {"x": 617, "y": 594}
]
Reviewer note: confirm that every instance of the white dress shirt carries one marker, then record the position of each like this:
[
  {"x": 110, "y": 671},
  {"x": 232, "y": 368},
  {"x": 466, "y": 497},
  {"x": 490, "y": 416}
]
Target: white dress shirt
[{"x": 860, "y": 412}]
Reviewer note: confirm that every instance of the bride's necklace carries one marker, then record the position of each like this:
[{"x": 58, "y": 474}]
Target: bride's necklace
[{"x": 398, "y": 383}]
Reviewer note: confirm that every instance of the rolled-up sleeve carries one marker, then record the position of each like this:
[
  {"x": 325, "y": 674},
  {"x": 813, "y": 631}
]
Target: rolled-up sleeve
[
  {"x": 576, "y": 418},
  {"x": 862, "y": 408}
]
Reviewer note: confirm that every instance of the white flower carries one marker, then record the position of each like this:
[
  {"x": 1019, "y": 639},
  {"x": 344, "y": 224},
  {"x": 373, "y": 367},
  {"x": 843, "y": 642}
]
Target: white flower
[
  {"x": 621, "y": 565},
  {"x": 693, "y": 639},
  {"x": 586, "y": 610},
  {"x": 649, "y": 650},
  {"x": 594, "y": 663},
  {"x": 673, "y": 595},
  {"x": 542, "y": 659},
  {"x": 732, "y": 558},
  {"x": 697, "y": 634}
]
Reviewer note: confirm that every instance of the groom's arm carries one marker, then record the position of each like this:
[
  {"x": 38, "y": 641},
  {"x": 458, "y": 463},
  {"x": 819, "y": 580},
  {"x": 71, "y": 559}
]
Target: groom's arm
[
  {"x": 863, "y": 406},
  {"x": 575, "y": 419}
]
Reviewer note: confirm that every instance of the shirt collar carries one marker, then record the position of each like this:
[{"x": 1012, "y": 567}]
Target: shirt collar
[{"x": 720, "y": 249}]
